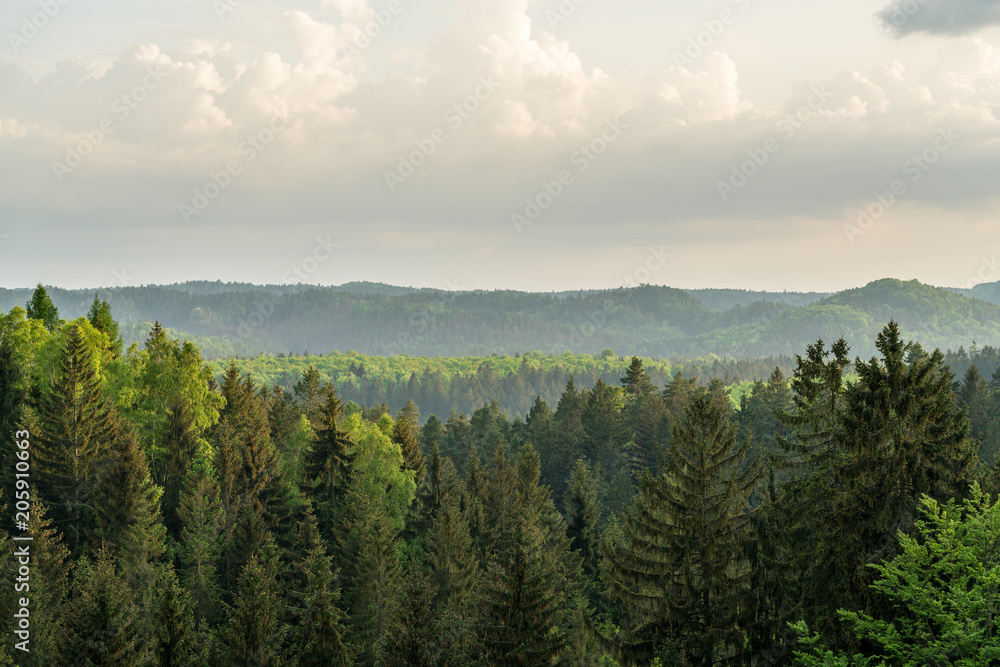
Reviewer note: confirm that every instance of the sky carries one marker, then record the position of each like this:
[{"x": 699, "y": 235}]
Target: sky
[{"x": 484, "y": 144}]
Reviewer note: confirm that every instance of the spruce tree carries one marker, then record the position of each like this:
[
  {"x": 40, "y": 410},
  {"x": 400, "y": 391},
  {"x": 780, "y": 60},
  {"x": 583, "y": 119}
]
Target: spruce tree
[
  {"x": 127, "y": 512},
  {"x": 41, "y": 308},
  {"x": 903, "y": 435},
  {"x": 173, "y": 623},
  {"x": 402, "y": 434},
  {"x": 583, "y": 511},
  {"x": 680, "y": 572},
  {"x": 453, "y": 554},
  {"x": 526, "y": 581},
  {"x": 320, "y": 634},
  {"x": 255, "y": 629},
  {"x": 636, "y": 381},
  {"x": 328, "y": 465},
  {"x": 202, "y": 523},
  {"x": 105, "y": 623},
  {"x": 101, "y": 319},
  {"x": 181, "y": 444},
  {"x": 78, "y": 428}
]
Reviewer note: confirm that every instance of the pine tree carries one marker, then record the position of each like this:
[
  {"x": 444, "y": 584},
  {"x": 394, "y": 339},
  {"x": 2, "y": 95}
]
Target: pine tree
[
  {"x": 78, "y": 428},
  {"x": 903, "y": 435},
  {"x": 583, "y": 511},
  {"x": 174, "y": 624},
  {"x": 636, "y": 381},
  {"x": 40, "y": 307},
  {"x": 526, "y": 581},
  {"x": 100, "y": 318},
  {"x": 202, "y": 521},
  {"x": 453, "y": 554},
  {"x": 127, "y": 511},
  {"x": 680, "y": 572},
  {"x": 328, "y": 465},
  {"x": 255, "y": 628},
  {"x": 181, "y": 445},
  {"x": 105, "y": 623},
  {"x": 403, "y": 435},
  {"x": 320, "y": 635}
]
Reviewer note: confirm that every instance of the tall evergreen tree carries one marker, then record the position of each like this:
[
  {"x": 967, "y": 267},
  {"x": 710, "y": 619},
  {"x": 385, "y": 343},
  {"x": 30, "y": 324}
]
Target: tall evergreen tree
[
  {"x": 583, "y": 511},
  {"x": 680, "y": 572},
  {"x": 78, "y": 428},
  {"x": 174, "y": 624},
  {"x": 127, "y": 511},
  {"x": 101, "y": 319},
  {"x": 453, "y": 554},
  {"x": 320, "y": 635},
  {"x": 202, "y": 522},
  {"x": 403, "y": 435},
  {"x": 105, "y": 623},
  {"x": 41, "y": 308},
  {"x": 903, "y": 436},
  {"x": 255, "y": 629}
]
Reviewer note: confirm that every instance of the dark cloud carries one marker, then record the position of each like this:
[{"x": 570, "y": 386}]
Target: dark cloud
[{"x": 944, "y": 17}]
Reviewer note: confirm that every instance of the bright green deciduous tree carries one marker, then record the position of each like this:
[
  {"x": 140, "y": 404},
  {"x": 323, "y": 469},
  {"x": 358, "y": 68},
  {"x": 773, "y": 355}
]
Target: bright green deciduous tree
[{"x": 945, "y": 585}]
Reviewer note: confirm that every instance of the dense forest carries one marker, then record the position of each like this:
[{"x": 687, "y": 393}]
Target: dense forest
[
  {"x": 839, "y": 512},
  {"x": 240, "y": 320}
]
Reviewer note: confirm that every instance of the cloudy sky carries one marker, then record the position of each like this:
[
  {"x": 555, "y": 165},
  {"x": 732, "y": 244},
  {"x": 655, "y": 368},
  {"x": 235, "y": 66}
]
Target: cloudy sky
[{"x": 527, "y": 144}]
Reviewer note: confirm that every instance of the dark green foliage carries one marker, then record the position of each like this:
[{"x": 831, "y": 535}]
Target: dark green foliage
[
  {"x": 453, "y": 555},
  {"x": 202, "y": 523},
  {"x": 319, "y": 631},
  {"x": 530, "y": 570},
  {"x": 583, "y": 511},
  {"x": 680, "y": 571},
  {"x": 41, "y": 308},
  {"x": 71, "y": 451},
  {"x": 100, "y": 317},
  {"x": 174, "y": 624},
  {"x": 403, "y": 435},
  {"x": 255, "y": 629},
  {"x": 106, "y": 627}
]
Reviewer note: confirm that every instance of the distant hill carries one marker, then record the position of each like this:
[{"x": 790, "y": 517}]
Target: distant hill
[
  {"x": 241, "y": 319},
  {"x": 724, "y": 299}
]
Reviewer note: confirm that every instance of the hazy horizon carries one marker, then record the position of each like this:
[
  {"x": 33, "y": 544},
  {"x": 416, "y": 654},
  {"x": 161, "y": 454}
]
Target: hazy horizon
[{"x": 534, "y": 145}]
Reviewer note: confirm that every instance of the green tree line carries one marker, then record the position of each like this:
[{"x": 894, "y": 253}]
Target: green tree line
[{"x": 182, "y": 519}]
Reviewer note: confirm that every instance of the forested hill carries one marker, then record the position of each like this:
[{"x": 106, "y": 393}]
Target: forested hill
[{"x": 238, "y": 319}]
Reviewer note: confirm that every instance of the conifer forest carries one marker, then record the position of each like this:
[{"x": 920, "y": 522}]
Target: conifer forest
[
  {"x": 499, "y": 333},
  {"x": 842, "y": 512}
]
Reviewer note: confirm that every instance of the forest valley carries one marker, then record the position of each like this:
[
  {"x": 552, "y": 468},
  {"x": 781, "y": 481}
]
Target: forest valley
[{"x": 842, "y": 512}]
